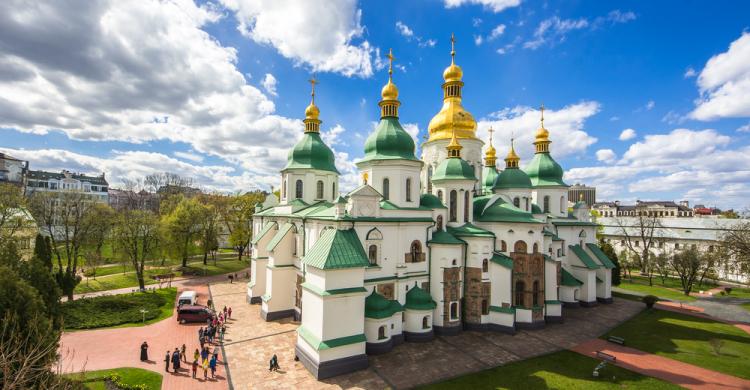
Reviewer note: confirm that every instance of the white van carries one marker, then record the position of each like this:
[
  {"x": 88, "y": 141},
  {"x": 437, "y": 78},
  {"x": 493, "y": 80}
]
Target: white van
[{"x": 187, "y": 298}]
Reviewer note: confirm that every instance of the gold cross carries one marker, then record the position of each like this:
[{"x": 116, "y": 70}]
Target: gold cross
[
  {"x": 312, "y": 83},
  {"x": 453, "y": 46},
  {"x": 490, "y": 130},
  {"x": 390, "y": 60},
  {"x": 542, "y": 110}
]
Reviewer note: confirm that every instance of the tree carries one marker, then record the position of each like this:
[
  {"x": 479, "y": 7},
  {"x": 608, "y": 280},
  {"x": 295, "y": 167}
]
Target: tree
[
  {"x": 729, "y": 214},
  {"x": 137, "y": 234},
  {"x": 182, "y": 227},
  {"x": 12, "y": 214},
  {"x": 100, "y": 220},
  {"x": 662, "y": 264},
  {"x": 688, "y": 264},
  {"x": 735, "y": 244},
  {"x": 640, "y": 233},
  {"x": 42, "y": 251},
  {"x": 612, "y": 255},
  {"x": 236, "y": 213},
  {"x": 209, "y": 228},
  {"x": 64, "y": 217}
]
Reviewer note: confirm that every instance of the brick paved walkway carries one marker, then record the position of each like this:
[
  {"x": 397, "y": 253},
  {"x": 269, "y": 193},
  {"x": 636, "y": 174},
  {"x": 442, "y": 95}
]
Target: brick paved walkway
[
  {"x": 114, "y": 348},
  {"x": 251, "y": 342},
  {"x": 683, "y": 374}
]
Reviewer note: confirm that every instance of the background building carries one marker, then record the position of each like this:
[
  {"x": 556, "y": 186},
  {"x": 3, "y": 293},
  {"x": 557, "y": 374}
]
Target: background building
[
  {"x": 649, "y": 208},
  {"x": 575, "y": 193},
  {"x": 41, "y": 181},
  {"x": 12, "y": 170}
]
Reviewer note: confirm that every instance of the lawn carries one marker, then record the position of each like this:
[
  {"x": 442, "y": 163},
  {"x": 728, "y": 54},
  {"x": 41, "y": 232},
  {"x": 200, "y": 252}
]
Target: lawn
[
  {"x": 123, "y": 310},
  {"x": 736, "y": 293},
  {"x": 94, "y": 380},
  {"x": 669, "y": 289},
  {"x": 688, "y": 339},
  {"x": 221, "y": 267},
  {"x": 559, "y": 370}
]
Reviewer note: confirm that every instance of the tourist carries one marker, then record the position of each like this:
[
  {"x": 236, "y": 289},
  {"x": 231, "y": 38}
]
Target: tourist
[
  {"x": 212, "y": 365},
  {"x": 225, "y": 311},
  {"x": 231, "y": 279},
  {"x": 274, "y": 364},
  {"x": 204, "y": 354},
  {"x": 221, "y": 333},
  {"x": 144, "y": 351},
  {"x": 183, "y": 355},
  {"x": 166, "y": 361},
  {"x": 229, "y": 313},
  {"x": 196, "y": 355},
  {"x": 195, "y": 366},
  {"x": 176, "y": 359},
  {"x": 205, "y": 369},
  {"x": 200, "y": 333},
  {"x": 202, "y": 341}
]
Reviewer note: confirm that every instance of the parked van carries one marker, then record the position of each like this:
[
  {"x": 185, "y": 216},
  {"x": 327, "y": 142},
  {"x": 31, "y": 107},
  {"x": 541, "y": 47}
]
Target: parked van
[
  {"x": 193, "y": 313},
  {"x": 187, "y": 298}
]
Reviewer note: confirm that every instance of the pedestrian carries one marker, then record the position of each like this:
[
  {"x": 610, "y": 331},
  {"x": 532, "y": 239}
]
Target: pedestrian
[
  {"x": 212, "y": 365},
  {"x": 205, "y": 369},
  {"x": 229, "y": 313},
  {"x": 195, "y": 367},
  {"x": 204, "y": 354},
  {"x": 274, "y": 364},
  {"x": 176, "y": 359},
  {"x": 202, "y": 341},
  {"x": 196, "y": 355},
  {"x": 208, "y": 321},
  {"x": 200, "y": 332},
  {"x": 221, "y": 333},
  {"x": 225, "y": 311},
  {"x": 166, "y": 362},
  {"x": 144, "y": 351},
  {"x": 183, "y": 355},
  {"x": 231, "y": 279}
]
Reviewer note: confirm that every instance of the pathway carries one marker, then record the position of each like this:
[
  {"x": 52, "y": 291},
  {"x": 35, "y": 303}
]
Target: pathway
[
  {"x": 120, "y": 347},
  {"x": 683, "y": 374},
  {"x": 725, "y": 308}
]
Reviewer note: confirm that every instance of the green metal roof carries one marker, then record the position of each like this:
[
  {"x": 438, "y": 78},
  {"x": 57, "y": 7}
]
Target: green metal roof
[
  {"x": 431, "y": 201},
  {"x": 501, "y": 259},
  {"x": 469, "y": 230},
  {"x": 388, "y": 205},
  {"x": 266, "y": 228},
  {"x": 535, "y": 209},
  {"x": 601, "y": 256},
  {"x": 548, "y": 258},
  {"x": 418, "y": 299},
  {"x": 512, "y": 178},
  {"x": 389, "y": 141},
  {"x": 585, "y": 258},
  {"x": 489, "y": 174},
  {"x": 443, "y": 237},
  {"x": 543, "y": 170},
  {"x": 572, "y": 222},
  {"x": 337, "y": 249},
  {"x": 569, "y": 280},
  {"x": 549, "y": 233},
  {"x": 377, "y": 306},
  {"x": 279, "y": 236},
  {"x": 311, "y": 153},
  {"x": 500, "y": 211},
  {"x": 454, "y": 168}
]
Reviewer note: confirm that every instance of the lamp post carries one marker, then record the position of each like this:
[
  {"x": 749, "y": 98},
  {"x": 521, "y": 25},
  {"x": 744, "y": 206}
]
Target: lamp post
[{"x": 143, "y": 315}]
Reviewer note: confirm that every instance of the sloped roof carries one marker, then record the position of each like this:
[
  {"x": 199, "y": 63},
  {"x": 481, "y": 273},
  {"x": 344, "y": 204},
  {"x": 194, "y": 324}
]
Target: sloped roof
[
  {"x": 266, "y": 228},
  {"x": 583, "y": 256},
  {"x": 569, "y": 280},
  {"x": 279, "y": 236},
  {"x": 337, "y": 249},
  {"x": 501, "y": 259},
  {"x": 443, "y": 237},
  {"x": 606, "y": 262},
  {"x": 470, "y": 230}
]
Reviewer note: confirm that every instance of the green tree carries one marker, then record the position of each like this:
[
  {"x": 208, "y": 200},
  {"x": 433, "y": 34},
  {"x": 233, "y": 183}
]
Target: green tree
[
  {"x": 42, "y": 251},
  {"x": 182, "y": 227},
  {"x": 688, "y": 264},
  {"x": 101, "y": 220},
  {"x": 137, "y": 235},
  {"x": 610, "y": 252},
  {"x": 12, "y": 214},
  {"x": 209, "y": 227},
  {"x": 236, "y": 213}
]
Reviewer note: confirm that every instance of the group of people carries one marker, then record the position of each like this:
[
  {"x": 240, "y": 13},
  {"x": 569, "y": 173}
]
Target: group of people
[{"x": 207, "y": 361}]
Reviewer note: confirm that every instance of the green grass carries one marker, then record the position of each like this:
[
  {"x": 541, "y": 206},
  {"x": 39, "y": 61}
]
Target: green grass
[
  {"x": 630, "y": 297},
  {"x": 559, "y": 370},
  {"x": 670, "y": 289},
  {"x": 736, "y": 293},
  {"x": 130, "y": 376},
  {"x": 687, "y": 339},
  {"x": 221, "y": 267},
  {"x": 121, "y": 310}
]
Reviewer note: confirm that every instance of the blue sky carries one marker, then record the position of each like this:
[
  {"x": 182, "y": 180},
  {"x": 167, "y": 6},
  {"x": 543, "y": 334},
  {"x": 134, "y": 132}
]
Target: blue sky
[{"x": 646, "y": 100}]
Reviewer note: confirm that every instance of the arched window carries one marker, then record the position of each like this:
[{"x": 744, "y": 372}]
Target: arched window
[
  {"x": 381, "y": 333},
  {"x": 519, "y": 247},
  {"x": 283, "y": 190},
  {"x": 485, "y": 265},
  {"x": 536, "y": 248},
  {"x": 439, "y": 222},
  {"x": 415, "y": 252},
  {"x": 333, "y": 191},
  {"x": 319, "y": 188},
  {"x": 426, "y": 322},
  {"x": 429, "y": 179},
  {"x": 563, "y": 209},
  {"x": 526, "y": 201},
  {"x": 503, "y": 246},
  {"x": 298, "y": 189},
  {"x": 453, "y": 205},
  {"x": 454, "y": 311},
  {"x": 485, "y": 307},
  {"x": 517, "y": 202},
  {"x": 467, "y": 202},
  {"x": 535, "y": 292},
  {"x": 408, "y": 190},
  {"x": 519, "y": 293},
  {"x": 372, "y": 254},
  {"x": 386, "y": 189}
]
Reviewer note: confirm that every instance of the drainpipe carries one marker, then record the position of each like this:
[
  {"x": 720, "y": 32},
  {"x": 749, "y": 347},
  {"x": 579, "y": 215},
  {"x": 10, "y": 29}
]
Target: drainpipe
[{"x": 429, "y": 256}]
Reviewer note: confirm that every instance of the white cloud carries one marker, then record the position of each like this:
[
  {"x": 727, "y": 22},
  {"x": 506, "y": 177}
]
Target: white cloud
[
  {"x": 427, "y": 42},
  {"x": 724, "y": 83},
  {"x": 476, "y": 22},
  {"x": 554, "y": 30},
  {"x": 320, "y": 34},
  {"x": 627, "y": 134},
  {"x": 413, "y": 130},
  {"x": 404, "y": 29},
  {"x": 496, "y": 32},
  {"x": 744, "y": 128},
  {"x": 566, "y": 127},
  {"x": 615, "y": 17},
  {"x": 650, "y": 105},
  {"x": 690, "y": 72},
  {"x": 681, "y": 144},
  {"x": 493, "y": 5},
  {"x": 188, "y": 156},
  {"x": 606, "y": 155},
  {"x": 478, "y": 39},
  {"x": 269, "y": 84},
  {"x": 332, "y": 137}
]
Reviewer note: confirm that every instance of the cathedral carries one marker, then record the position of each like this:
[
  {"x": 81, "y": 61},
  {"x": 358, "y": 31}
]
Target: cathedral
[{"x": 434, "y": 245}]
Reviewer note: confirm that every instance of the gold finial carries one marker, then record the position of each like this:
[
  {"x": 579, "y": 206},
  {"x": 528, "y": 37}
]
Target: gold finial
[
  {"x": 542, "y": 141},
  {"x": 312, "y": 113},
  {"x": 390, "y": 63},
  {"x": 491, "y": 156},
  {"x": 389, "y": 103},
  {"x": 454, "y": 148},
  {"x": 511, "y": 161},
  {"x": 541, "y": 109},
  {"x": 453, "y": 47}
]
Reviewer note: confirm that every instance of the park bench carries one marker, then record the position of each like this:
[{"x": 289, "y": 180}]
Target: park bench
[
  {"x": 616, "y": 340},
  {"x": 605, "y": 356}
]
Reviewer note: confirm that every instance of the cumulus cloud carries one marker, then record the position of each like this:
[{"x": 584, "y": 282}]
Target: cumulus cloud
[
  {"x": 188, "y": 156},
  {"x": 690, "y": 72},
  {"x": 566, "y": 127},
  {"x": 404, "y": 29},
  {"x": 554, "y": 30},
  {"x": 269, "y": 84},
  {"x": 627, "y": 134},
  {"x": 319, "y": 34},
  {"x": 606, "y": 155},
  {"x": 493, "y": 5},
  {"x": 496, "y": 32},
  {"x": 407, "y": 32},
  {"x": 744, "y": 128},
  {"x": 114, "y": 74},
  {"x": 724, "y": 83}
]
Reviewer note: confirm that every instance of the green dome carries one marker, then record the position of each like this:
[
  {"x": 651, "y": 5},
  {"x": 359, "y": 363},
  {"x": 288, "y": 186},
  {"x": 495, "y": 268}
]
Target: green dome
[
  {"x": 454, "y": 168},
  {"x": 377, "y": 306},
  {"x": 512, "y": 178},
  {"x": 418, "y": 299},
  {"x": 311, "y": 153},
  {"x": 489, "y": 174},
  {"x": 499, "y": 211},
  {"x": 431, "y": 201},
  {"x": 389, "y": 141},
  {"x": 543, "y": 170}
]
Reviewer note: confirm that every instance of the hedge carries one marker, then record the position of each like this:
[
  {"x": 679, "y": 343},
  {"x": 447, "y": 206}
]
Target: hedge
[{"x": 111, "y": 310}]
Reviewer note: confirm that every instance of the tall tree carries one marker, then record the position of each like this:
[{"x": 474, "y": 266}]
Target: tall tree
[
  {"x": 137, "y": 235},
  {"x": 236, "y": 213},
  {"x": 640, "y": 233},
  {"x": 42, "y": 251},
  {"x": 735, "y": 245},
  {"x": 12, "y": 211},
  {"x": 609, "y": 250},
  {"x": 182, "y": 227},
  {"x": 100, "y": 219},
  {"x": 209, "y": 231}
]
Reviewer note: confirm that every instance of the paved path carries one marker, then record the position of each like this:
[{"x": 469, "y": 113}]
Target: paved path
[
  {"x": 120, "y": 347},
  {"x": 251, "y": 342},
  {"x": 724, "y": 308},
  {"x": 683, "y": 374}
]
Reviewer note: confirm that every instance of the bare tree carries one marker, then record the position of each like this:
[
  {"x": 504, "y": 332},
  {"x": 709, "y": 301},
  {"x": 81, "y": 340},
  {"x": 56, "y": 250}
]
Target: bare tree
[
  {"x": 688, "y": 264},
  {"x": 137, "y": 235},
  {"x": 640, "y": 233},
  {"x": 662, "y": 265},
  {"x": 158, "y": 181},
  {"x": 735, "y": 245},
  {"x": 100, "y": 220}
]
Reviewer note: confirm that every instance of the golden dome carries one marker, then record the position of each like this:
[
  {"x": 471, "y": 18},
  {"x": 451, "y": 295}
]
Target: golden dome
[
  {"x": 453, "y": 73},
  {"x": 490, "y": 156},
  {"x": 312, "y": 111},
  {"x": 512, "y": 156},
  {"x": 389, "y": 91},
  {"x": 542, "y": 135}
]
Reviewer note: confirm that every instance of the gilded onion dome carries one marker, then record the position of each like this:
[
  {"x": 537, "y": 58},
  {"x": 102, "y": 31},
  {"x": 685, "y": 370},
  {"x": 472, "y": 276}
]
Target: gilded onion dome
[
  {"x": 543, "y": 170},
  {"x": 452, "y": 116},
  {"x": 512, "y": 176}
]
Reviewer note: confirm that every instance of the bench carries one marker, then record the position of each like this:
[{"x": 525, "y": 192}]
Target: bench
[
  {"x": 616, "y": 340},
  {"x": 605, "y": 356}
]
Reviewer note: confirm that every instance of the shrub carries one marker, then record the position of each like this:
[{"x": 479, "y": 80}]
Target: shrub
[
  {"x": 728, "y": 290},
  {"x": 650, "y": 300},
  {"x": 716, "y": 345},
  {"x": 111, "y": 310}
]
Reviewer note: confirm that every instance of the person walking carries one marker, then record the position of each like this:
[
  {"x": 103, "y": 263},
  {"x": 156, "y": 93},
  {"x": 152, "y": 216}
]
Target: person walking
[
  {"x": 166, "y": 361},
  {"x": 200, "y": 333},
  {"x": 221, "y": 333},
  {"x": 204, "y": 354},
  {"x": 202, "y": 340},
  {"x": 205, "y": 369},
  {"x": 225, "y": 311},
  {"x": 195, "y": 367},
  {"x": 183, "y": 355},
  {"x": 212, "y": 365},
  {"x": 196, "y": 355},
  {"x": 229, "y": 313},
  {"x": 274, "y": 363},
  {"x": 176, "y": 360},
  {"x": 144, "y": 351}
]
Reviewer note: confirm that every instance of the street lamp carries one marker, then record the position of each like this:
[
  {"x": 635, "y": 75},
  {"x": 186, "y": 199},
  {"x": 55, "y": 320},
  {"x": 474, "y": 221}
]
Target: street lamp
[{"x": 143, "y": 314}]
